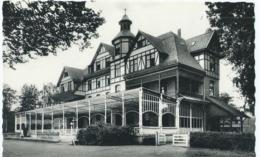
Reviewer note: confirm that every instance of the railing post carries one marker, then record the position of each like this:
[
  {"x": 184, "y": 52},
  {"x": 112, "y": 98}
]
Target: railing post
[{"x": 140, "y": 109}]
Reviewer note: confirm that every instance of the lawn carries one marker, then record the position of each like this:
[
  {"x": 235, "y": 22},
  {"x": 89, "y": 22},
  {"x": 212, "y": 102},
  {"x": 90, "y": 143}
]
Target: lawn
[{"x": 14, "y": 148}]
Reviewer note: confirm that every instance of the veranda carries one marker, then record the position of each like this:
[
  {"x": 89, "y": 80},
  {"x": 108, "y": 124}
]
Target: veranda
[{"x": 145, "y": 110}]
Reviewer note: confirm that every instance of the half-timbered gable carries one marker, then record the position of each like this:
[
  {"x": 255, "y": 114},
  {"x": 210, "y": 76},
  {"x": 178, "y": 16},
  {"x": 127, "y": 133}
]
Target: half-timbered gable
[
  {"x": 144, "y": 55},
  {"x": 98, "y": 79},
  {"x": 70, "y": 84}
]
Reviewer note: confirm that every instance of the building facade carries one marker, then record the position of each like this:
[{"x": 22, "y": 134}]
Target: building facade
[{"x": 154, "y": 83}]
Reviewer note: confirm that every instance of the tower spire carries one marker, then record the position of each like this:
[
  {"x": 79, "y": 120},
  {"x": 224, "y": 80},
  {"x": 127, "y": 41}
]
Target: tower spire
[{"x": 125, "y": 11}]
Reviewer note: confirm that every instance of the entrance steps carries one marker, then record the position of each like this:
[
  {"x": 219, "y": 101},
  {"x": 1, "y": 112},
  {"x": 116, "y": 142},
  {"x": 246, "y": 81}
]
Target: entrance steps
[
  {"x": 176, "y": 139},
  {"x": 181, "y": 139}
]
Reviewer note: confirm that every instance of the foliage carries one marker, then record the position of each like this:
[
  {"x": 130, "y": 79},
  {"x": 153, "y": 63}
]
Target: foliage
[
  {"x": 38, "y": 28},
  {"x": 9, "y": 98},
  {"x": 225, "y": 97},
  {"x": 234, "y": 23},
  {"x": 29, "y": 98},
  {"x": 47, "y": 93},
  {"x": 101, "y": 134},
  {"x": 223, "y": 141}
]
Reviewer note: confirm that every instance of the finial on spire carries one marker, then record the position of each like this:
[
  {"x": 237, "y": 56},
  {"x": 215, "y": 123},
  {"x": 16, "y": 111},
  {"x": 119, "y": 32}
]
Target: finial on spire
[{"x": 125, "y": 11}]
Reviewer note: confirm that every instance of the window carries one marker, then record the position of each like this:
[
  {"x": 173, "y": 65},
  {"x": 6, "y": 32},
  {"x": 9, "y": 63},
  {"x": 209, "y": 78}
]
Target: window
[
  {"x": 142, "y": 42},
  {"x": 62, "y": 89},
  {"x": 107, "y": 62},
  {"x": 107, "y": 80},
  {"x": 66, "y": 74},
  {"x": 212, "y": 65},
  {"x": 117, "y": 49},
  {"x": 197, "y": 116},
  {"x": 117, "y": 88},
  {"x": 211, "y": 88},
  {"x": 98, "y": 65},
  {"x": 185, "y": 115},
  {"x": 98, "y": 85},
  {"x": 150, "y": 60},
  {"x": 69, "y": 86},
  {"x": 117, "y": 70},
  {"x": 89, "y": 85}
]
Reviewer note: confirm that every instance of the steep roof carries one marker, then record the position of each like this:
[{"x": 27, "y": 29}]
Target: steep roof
[
  {"x": 199, "y": 42},
  {"x": 174, "y": 47},
  {"x": 124, "y": 33},
  {"x": 109, "y": 48},
  {"x": 77, "y": 75}
]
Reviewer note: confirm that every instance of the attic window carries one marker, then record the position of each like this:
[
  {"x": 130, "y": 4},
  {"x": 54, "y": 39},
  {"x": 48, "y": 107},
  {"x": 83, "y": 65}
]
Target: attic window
[
  {"x": 66, "y": 74},
  {"x": 193, "y": 43}
]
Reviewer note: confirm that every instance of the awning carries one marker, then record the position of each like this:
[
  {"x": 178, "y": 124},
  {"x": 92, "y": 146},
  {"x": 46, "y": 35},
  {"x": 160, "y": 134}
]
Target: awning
[{"x": 223, "y": 106}]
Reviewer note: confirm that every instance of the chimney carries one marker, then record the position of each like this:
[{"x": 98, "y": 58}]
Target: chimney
[{"x": 179, "y": 32}]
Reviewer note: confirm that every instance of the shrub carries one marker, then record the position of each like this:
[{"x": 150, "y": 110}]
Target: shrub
[
  {"x": 101, "y": 134},
  {"x": 223, "y": 140}
]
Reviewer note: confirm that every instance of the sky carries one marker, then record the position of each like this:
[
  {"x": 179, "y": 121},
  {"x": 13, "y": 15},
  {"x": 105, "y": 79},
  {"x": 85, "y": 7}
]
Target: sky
[{"x": 154, "y": 18}]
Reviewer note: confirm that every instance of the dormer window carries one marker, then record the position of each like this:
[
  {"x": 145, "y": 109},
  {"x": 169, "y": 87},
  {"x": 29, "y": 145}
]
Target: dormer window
[
  {"x": 98, "y": 65},
  {"x": 66, "y": 74},
  {"x": 141, "y": 42},
  {"x": 107, "y": 62}
]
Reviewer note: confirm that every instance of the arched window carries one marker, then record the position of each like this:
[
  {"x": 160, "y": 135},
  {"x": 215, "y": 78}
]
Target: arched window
[
  {"x": 150, "y": 119},
  {"x": 132, "y": 119},
  {"x": 118, "y": 88},
  {"x": 168, "y": 120}
]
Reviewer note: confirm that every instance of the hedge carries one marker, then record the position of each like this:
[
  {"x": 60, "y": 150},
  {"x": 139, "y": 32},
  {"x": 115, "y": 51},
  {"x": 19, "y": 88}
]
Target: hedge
[
  {"x": 102, "y": 134},
  {"x": 223, "y": 140}
]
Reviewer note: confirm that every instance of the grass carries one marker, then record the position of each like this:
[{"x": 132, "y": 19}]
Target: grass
[{"x": 12, "y": 148}]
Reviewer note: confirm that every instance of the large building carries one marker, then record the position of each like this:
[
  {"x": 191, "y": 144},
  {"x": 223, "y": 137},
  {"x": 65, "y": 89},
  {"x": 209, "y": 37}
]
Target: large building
[{"x": 154, "y": 83}]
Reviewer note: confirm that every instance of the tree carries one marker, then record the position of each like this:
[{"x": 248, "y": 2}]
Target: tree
[
  {"x": 47, "y": 93},
  {"x": 38, "y": 28},
  {"x": 29, "y": 98},
  {"x": 9, "y": 99},
  {"x": 225, "y": 97},
  {"x": 234, "y": 23}
]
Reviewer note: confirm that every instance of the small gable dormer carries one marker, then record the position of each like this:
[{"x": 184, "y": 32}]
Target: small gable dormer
[
  {"x": 124, "y": 39},
  {"x": 102, "y": 58}
]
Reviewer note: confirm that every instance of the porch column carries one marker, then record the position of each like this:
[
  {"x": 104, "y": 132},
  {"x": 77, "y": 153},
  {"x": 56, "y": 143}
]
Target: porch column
[
  {"x": 105, "y": 118},
  {"x": 140, "y": 109},
  {"x": 77, "y": 117},
  {"x": 177, "y": 119},
  {"x": 241, "y": 124},
  {"x": 160, "y": 113},
  {"x": 123, "y": 110},
  {"x": 89, "y": 114},
  {"x": 36, "y": 123},
  {"x": 111, "y": 116},
  {"x": 25, "y": 120},
  {"x": 190, "y": 116},
  {"x": 30, "y": 120},
  {"x": 42, "y": 120},
  {"x": 20, "y": 121},
  {"x": 15, "y": 122},
  {"x": 52, "y": 128},
  {"x": 63, "y": 120}
]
